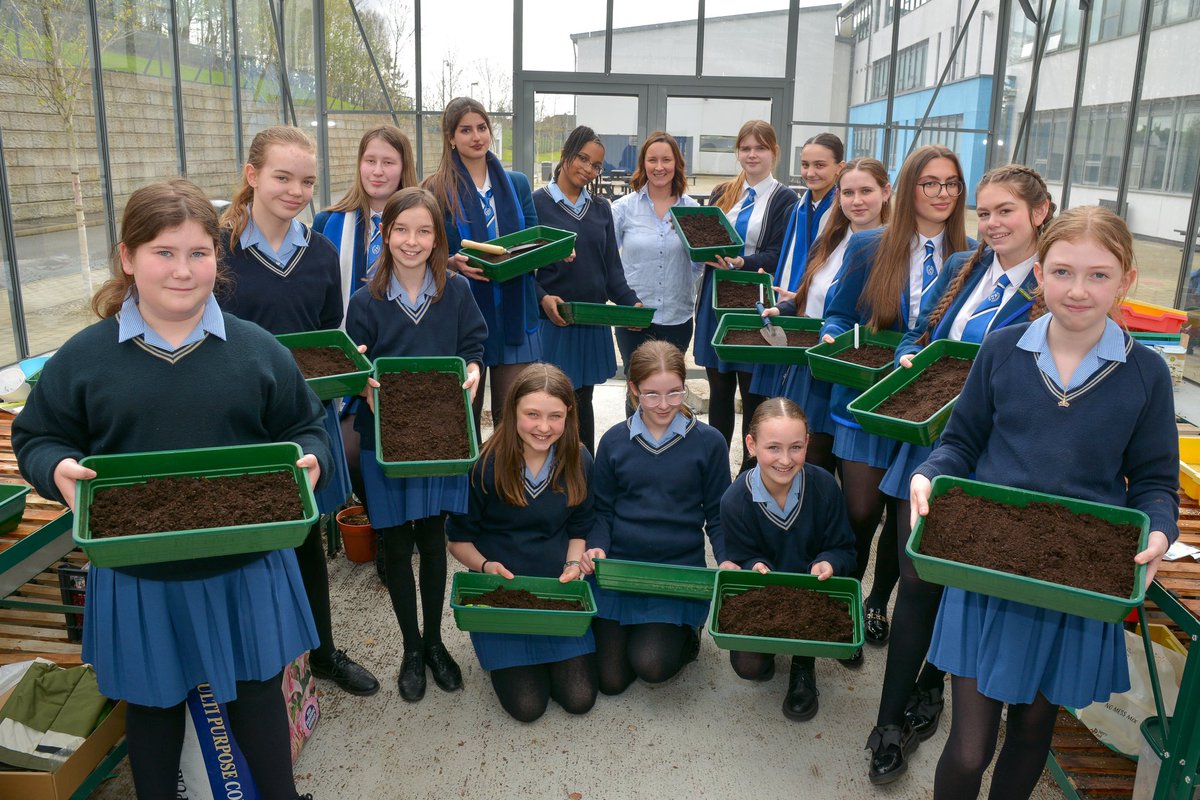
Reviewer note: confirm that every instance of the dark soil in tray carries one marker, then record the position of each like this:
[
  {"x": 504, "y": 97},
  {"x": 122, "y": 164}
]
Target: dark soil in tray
[
  {"x": 319, "y": 362},
  {"x": 754, "y": 338},
  {"x": 703, "y": 230},
  {"x": 520, "y": 598},
  {"x": 1042, "y": 541},
  {"x": 186, "y": 503},
  {"x": 422, "y": 417},
  {"x": 491, "y": 259},
  {"x": 787, "y": 612},
  {"x": 869, "y": 355},
  {"x": 731, "y": 294},
  {"x": 941, "y": 382}
]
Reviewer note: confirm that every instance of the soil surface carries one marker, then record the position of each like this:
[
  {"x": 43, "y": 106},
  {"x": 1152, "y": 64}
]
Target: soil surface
[
  {"x": 869, "y": 355},
  {"x": 794, "y": 338},
  {"x": 1042, "y": 540},
  {"x": 941, "y": 382},
  {"x": 731, "y": 294},
  {"x": 319, "y": 362},
  {"x": 186, "y": 503},
  {"x": 703, "y": 230},
  {"x": 356, "y": 519},
  {"x": 787, "y": 612},
  {"x": 491, "y": 259},
  {"x": 422, "y": 417},
  {"x": 520, "y": 598}
]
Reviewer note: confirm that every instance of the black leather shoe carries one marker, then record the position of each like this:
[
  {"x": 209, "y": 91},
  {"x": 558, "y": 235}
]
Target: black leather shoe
[
  {"x": 351, "y": 677},
  {"x": 412, "y": 676},
  {"x": 890, "y": 747},
  {"x": 800, "y": 703},
  {"x": 923, "y": 711},
  {"x": 855, "y": 661},
  {"x": 876, "y": 627},
  {"x": 446, "y": 673}
]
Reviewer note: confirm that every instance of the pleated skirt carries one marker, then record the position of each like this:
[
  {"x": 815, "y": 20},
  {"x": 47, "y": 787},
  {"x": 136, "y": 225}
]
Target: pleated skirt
[
  {"x": 395, "y": 501},
  {"x": 768, "y": 379},
  {"x": 637, "y": 609},
  {"x": 584, "y": 352},
  {"x": 706, "y": 328},
  {"x": 337, "y": 489},
  {"x": 504, "y": 650},
  {"x": 855, "y": 444},
  {"x": 811, "y": 395},
  {"x": 904, "y": 463}
]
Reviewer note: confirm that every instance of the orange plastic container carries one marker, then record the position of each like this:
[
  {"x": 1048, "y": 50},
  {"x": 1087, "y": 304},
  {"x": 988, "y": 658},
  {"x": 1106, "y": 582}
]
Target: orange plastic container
[{"x": 1139, "y": 316}]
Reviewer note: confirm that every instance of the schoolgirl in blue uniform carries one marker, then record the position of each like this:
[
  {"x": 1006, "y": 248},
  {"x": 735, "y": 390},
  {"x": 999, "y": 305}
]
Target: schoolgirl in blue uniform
[
  {"x": 122, "y": 385},
  {"x": 413, "y": 306},
  {"x": 480, "y": 200},
  {"x": 658, "y": 482},
  {"x": 758, "y": 207},
  {"x": 785, "y": 514},
  {"x": 976, "y": 293},
  {"x": 285, "y": 278},
  {"x": 529, "y": 513},
  {"x": 584, "y": 352},
  {"x": 1071, "y": 405}
]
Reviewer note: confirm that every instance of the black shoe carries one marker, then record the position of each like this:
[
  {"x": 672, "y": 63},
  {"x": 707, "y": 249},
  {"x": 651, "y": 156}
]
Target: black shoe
[
  {"x": 923, "y": 711},
  {"x": 351, "y": 677},
  {"x": 890, "y": 747},
  {"x": 691, "y": 645},
  {"x": 800, "y": 703},
  {"x": 855, "y": 661},
  {"x": 446, "y": 673},
  {"x": 412, "y": 676},
  {"x": 876, "y": 628}
]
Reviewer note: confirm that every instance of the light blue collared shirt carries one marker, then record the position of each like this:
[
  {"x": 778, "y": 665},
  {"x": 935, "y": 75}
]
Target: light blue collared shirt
[
  {"x": 559, "y": 197},
  {"x": 760, "y": 494},
  {"x": 428, "y": 289},
  {"x": 544, "y": 472},
  {"x": 132, "y": 324},
  {"x": 656, "y": 265},
  {"x": 677, "y": 427},
  {"x": 1111, "y": 347},
  {"x": 292, "y": 242}
]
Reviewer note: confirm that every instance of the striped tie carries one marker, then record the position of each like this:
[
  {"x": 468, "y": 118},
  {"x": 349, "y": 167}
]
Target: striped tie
[
  {"x": 985, "y": 312},
  {"x": 928, "y": 269},
  {"x": 743, "y": 218},
  {"x": 376, "y": 246},
  {"x": 489, "y": 214}
]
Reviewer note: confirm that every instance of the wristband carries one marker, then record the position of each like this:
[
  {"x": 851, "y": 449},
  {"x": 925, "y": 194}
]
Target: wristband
[
  {"x": 483, "y": 566},
  {"x": 572, "y": 564}
]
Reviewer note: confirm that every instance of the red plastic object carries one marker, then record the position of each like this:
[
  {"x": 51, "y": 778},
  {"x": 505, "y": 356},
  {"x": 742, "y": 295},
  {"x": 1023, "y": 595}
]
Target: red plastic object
[{"x": 1150, "y": 318}]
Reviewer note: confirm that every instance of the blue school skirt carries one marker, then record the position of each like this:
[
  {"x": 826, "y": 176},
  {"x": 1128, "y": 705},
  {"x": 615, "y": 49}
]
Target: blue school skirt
[
  {"x": 504, "y": 650},
  {"x": 637, "y": 609},
  {"x": 497, "y": 351},
  {"x": 395, "y": 501},
  {"x": 706, "y": 328},
  {"x": 151, "y": 641},
  {"x": 767, "y": 379},
  {"x": 1014, "y": 650},
  {"x": 855, "y": 444},
  {"x": 584, "y": 352},
  {"x": 811, "y": 395},
  {"x": 904, "y": 463},
  {"x": 337, "y": 489}
]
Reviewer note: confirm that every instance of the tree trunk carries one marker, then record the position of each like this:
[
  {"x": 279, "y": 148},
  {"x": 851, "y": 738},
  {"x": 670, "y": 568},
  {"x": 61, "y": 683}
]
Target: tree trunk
[{"x": 85, "y": 261}]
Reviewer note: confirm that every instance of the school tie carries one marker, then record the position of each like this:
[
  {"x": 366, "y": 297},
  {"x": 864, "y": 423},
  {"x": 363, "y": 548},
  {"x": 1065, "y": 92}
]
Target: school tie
[
  {"x": 376, "y": 245},
  {"x": 985, "y": 312},
  {"x": 928, "y": 269},
  {"x": 489, "y": 214},
  {"x": 743, "y": 218}
]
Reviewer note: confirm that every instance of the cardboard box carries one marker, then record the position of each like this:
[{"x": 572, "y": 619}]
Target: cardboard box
[{"x": 60, "y": 785}]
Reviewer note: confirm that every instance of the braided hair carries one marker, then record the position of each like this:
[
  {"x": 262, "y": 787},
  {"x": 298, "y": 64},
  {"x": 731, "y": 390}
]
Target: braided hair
[{"x": 573, "y": 146}]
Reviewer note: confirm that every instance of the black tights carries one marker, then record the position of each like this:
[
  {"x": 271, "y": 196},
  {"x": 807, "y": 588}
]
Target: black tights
[
  {"x": 502, "y": 376},
  {"x": 865, "y": 505},
  {"x": 257, "y": 719},
  {"x": 820, "y": 451},
  {"x": 314, "y": 571},
  {"x": 652, "y": 651},
  {"x": 524, "y": 692},
  {"x": 974, "y": 727},
  {"x": 722, "y": 386},
  {"x": 916, "y": 610},
  {"x": 429, "y": 536},
  {"x": 587, "y": 417}
]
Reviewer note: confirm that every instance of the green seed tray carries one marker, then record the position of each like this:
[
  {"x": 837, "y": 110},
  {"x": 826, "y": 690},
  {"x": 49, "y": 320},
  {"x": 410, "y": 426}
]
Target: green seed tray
[
  {"x": 666, "y": 580},
  {"x": 826, "y": 366},
  {"x": 605, "y": 314},
  {"x": 329, "y": 387},
  {"x": 561, "y": 243},
  {"x": 902, "y": 430},
  {"x": 707, "y": 253},
  {"x": 1043, "y": 594},
  {"x": 762, "y": 353},
  {"x": 426, "y": 469},
  {"x": 12, "y": 505},
  {"x": 33, "y": 379},
  {"x": 485, "y": 619},
  {"x": 211, "y": 462},
  {"x": 737, "y": 276},
  {"x": 734, "y": 582}
]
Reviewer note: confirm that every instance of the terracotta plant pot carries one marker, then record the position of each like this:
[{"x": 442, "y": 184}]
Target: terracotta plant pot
[{"x": 359, "y": 540}]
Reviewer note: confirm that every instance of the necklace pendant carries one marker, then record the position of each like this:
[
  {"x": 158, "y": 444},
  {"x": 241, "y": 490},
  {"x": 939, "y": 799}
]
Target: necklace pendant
[{"x": 1063, "y": 403}]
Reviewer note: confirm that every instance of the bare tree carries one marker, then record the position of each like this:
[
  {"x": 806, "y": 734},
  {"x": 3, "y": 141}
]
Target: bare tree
[{"x": 497, "y": 85}]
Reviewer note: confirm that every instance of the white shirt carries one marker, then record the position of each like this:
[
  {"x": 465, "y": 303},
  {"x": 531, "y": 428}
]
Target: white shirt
[
  {"x": 814, "y": 305},
  {"x": 916, "y": 268},
  {"x": 789, "y": 255},
  {"x": 758, "y": 215},
  {"x": 1017, "y": 275}
]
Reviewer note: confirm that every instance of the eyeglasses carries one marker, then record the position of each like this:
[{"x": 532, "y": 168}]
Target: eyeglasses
[
  {"x": 585, "y": 162},
  {"x": 934, "y": 188},
  {"x": 654, "y": 399}
]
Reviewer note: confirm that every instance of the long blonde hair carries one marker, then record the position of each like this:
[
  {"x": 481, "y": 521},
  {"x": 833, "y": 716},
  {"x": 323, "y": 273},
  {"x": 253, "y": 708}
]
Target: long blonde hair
[
  {"x": 237, "y": 216},
  {"x": 761, "y": 130}
]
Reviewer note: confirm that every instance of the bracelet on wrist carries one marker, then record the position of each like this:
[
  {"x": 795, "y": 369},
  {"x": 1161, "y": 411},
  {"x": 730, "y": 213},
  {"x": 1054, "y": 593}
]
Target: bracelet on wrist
[
  {"x": 483, "y": 566},
  {"x": 572, "y": 564}
]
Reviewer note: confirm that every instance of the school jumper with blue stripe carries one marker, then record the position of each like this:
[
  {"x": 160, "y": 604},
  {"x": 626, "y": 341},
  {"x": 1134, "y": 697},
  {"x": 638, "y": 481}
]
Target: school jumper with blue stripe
[
  {"x": 509, "y": 308},
  {"x": 1114, "y": 441},
  {"x": 584, "y": 352},
  {"x": 452, "y": 326},
  {"x": 910, "y": 456},
  {"x": 530, "y": 540},
  {"x": 345, "y": 231}
]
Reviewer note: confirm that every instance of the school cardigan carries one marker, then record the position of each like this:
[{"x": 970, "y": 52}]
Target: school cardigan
[
  {"x": 817, "y": 529},
  {"x": 1008, "y": 427},
  {"x": 530, "y": 539},
  {"x": 769, "y": 243},
  {"x": 98, "y": 396},
  {"x": 596, "y": 274},
  {"x": 654, "y": 504},
  {"x": 346, "y": 233},
  {"x": 304, "y": 295}
]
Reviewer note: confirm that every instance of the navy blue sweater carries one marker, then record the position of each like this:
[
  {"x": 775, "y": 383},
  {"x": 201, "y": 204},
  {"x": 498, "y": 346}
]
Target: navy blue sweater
[
  {"x": 1009, "y": 429},
  {"x": 529, "y": 540},
  {"x": 817, "y": 530},
  {"x": 596, "y": 274},
  {"x": 656, "y": 506},
  {"x": 305, "y": 296}
]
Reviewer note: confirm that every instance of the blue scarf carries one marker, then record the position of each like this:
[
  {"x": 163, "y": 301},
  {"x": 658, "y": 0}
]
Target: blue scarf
[
  {"x": 503, "y": 304},
  {"x": 800, "y": 236}
]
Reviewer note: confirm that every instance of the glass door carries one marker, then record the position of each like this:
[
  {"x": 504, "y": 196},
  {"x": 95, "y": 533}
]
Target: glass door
[{"x": 614, "y": 118}]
